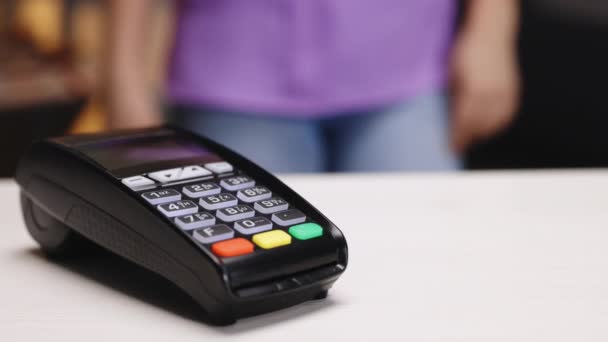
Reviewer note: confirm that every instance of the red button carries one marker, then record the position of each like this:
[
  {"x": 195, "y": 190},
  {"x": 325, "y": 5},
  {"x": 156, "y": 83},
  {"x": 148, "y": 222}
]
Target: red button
[{"x": 233, "y": 247}]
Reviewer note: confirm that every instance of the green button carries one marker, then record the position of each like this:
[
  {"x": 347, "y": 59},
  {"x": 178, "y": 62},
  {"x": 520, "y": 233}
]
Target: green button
[{"x": 306, "y": 231}]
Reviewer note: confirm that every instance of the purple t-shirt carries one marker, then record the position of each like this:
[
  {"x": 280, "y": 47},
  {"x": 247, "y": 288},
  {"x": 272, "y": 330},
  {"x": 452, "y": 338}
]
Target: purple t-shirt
[{"x": 308, "y": 57}]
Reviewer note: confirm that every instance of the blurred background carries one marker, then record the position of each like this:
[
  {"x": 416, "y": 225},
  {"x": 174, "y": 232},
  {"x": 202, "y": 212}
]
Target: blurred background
[
  {"x": 50, "y": 57},
  {"x": 51, "y": 51}
]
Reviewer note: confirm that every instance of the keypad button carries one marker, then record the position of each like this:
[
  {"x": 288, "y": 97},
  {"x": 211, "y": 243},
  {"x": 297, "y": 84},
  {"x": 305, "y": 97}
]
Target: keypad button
[
  {"x": 165, "y": 176},
  {"x": 238, "y": 212},
  {"x": 193, "y": 171},
  {"x": 219, "y": 201},
  {"x": 232, "y": 248},
  {"x": 253, "y": 225},
  {"x": 213, "y": 234},
  {"x": 219, "y": 167},
  {"x": 271, "y": 205},
  {"x": 201, "y": 189},
  {"x": 137, "y": 181},
  {"x": 306, "y": 231},
  {"x": 194, "y": 221},
  {"x": 272, "y": 239},
  {"x": 257, "y": 193},
  {"x": 162, "y": 196},
  {"x": 288, "y": 217},
  {"x": 178, "y": 208},
  {"x": 237, "y": 183}
]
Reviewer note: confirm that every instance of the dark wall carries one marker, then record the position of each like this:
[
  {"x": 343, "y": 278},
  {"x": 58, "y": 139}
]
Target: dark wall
[
  {"x": 563, "y": 121},
  {"x": 19, "y": 127}
]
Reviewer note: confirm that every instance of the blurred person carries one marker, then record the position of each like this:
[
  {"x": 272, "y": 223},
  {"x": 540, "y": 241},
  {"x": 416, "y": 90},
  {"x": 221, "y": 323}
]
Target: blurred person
[{"x": 324, "y": 85}]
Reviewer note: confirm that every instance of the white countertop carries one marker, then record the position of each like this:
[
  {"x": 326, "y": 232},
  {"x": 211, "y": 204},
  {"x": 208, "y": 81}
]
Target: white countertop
[{"x": 446, "y": 257}]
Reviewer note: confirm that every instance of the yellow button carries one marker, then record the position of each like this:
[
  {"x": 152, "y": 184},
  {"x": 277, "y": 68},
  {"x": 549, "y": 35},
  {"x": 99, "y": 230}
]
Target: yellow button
[{"x": 272, "y": 239}]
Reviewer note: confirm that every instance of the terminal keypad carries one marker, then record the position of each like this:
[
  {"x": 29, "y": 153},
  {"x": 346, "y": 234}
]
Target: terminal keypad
[{"x": 224, "y": 210}]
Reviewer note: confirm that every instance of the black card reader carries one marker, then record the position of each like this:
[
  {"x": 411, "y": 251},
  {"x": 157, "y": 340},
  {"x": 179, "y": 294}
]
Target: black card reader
[{"x": 225, "y": 231}]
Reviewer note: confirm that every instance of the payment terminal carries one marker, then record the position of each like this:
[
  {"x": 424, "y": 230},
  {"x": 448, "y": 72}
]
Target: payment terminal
[{"x": 225, "y": 231}]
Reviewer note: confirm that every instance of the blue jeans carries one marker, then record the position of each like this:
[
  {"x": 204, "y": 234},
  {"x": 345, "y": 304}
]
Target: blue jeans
[{"x": 412, "y": 136}]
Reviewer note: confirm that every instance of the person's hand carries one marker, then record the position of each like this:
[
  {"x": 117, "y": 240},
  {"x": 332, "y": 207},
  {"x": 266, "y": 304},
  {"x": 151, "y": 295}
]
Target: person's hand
[
  {"x": 133, "y": 113},
  {"x": 127, "y": 92},
  {"x": 129, "y": 105},
  {"x": 485, "y": 88}
]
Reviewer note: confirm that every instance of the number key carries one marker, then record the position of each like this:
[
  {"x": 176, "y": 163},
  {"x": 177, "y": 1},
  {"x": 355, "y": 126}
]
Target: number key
[
  {"x": 271, "y": 205},
  {"x": 201, "y": 189},
  {"x": 238, "y": 212},
  {"x": 178, "y": 208},
  {"x": 219, "y": 201},
  {"x": 237, "y": 183},
  {"x": 257, "y": 193},
  {"x": 194, "y": 221},
  {"x": 253, "y": 225},
  {"x": 162, "y": 196}
]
